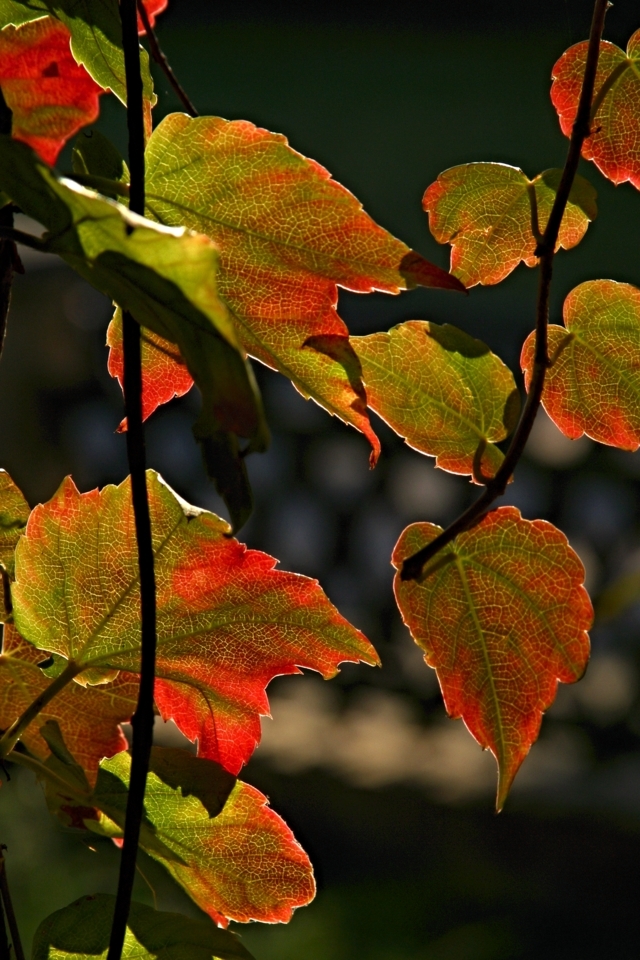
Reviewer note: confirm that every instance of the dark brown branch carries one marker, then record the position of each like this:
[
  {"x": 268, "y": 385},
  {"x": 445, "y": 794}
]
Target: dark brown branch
[
  {"x": 142, "y": 720},
  {"x": 8, "y": 908},
  {"x": 9, "y": 260},
  {"x": 159, "y": 56},
  {"x": 413, "y": 566}
]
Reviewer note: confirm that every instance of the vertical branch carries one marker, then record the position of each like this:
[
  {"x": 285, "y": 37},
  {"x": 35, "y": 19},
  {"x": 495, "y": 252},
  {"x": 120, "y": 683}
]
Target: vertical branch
[
  {"x": 8, "y": 909},
  {"x": 9, "y": 259},
  {"x": 142, "y": 720}
]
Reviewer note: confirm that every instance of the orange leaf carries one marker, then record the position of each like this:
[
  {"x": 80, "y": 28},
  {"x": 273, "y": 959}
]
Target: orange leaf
[
  {"x": 614, "y": 144},
  {"x": 89, "y": 717},
  {"x": 51, "y": 96},
  {"x": 593, "y": 384},
  {"x": 501, "y": 614}
]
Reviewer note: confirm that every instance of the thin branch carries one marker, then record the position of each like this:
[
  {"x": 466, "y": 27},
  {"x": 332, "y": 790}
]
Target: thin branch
[
  {"x": 42, "y": 771},
  {"x": 160, "y": 58},
  {"x": 15, "y": 731},
  {"x": 10, "y": 262},
  {"x": 412, "y": 568},
  {"x": 142, "y": 720},
  {"x": 8, "y": 908}
]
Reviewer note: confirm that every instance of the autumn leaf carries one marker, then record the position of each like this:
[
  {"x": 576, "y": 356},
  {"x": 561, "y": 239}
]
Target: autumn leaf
[
  {"x": 88, "y": 716},
  {"x": 593, "y": 383},
  {"x": 441, "y": 390},
  {"x": 82, "y": 930},
  {"x": 493, "y": 216},
  {"x": 153, "y": 8},
  {"x": 288, "y": 236},
  {"x": 614, "y": 143},
  {"x": 228, "y": 622},
  {"x": 50, "y": 95},
  {"x": 14, "y": 513},
  {"x": 501, "y": 615}
]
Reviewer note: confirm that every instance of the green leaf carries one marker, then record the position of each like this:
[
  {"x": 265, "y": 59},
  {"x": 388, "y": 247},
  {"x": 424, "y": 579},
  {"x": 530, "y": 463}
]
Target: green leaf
[
  {"x": 82, "y": 930},
  {"x": 441, "y": 390},
  {"x": 14, "y": 513},
  {"x": 96, "y": 38},
  {"x": 167, "y": 279},
  {"x": 94, "y": 155},
  {"x": 493, "y": 216},
  {"x": 194, "y": 776}
]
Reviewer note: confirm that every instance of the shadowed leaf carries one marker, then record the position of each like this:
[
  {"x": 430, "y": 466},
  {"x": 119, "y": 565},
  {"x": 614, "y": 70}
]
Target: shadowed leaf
[
  {"x": 228, "y": 622},
  {"x": 94, "y": 154},
  {"x": 614, "y": 144},
  {"x": 14, "y": 513},
  {"x": 488, "y": 211},
  {"x": 593, "y": 385},
  {"x": 441, "y": 390},
  {"x": 194, "y": 776},
  {"x": 501, "y": 616}
]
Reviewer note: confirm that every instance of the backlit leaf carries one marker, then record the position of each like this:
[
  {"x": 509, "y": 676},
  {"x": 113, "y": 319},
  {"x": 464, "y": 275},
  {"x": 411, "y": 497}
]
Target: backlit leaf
[
  {"x": 593, "y": 385},
  {"x": 614, "y": 144},
  {"x": 94, "y": 154},
  {"x": 88, "y": 717},
  {"x": 228, "y": 622},
  {"x": 153, "y": 8},
  {"x": 501, "y": 614},
  {"x": 441, "y": 390},
  {"x": 82, "y": 930},
  {"x": 244, "y": 864},
  {"x": 288, "y": 236},
  {"x": 14, "y": 513},
  {"x": 167, "y": 279},
  {"x": 487, "y": 212},
  {"x": 96, "y": 37},
  {"x": 51, "y": 96}
]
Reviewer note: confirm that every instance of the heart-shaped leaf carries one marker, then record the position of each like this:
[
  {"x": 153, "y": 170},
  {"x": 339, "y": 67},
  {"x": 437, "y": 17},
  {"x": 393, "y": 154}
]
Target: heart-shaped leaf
[
  {"x": 441, "y": 390},
  {"x": 614, "y": 143},
  {"x": 228, "y": 622},
  {"x": 501, "y": 614},
  {"x": 593, "y": 384},
  {"x": 493, "y": 216}
]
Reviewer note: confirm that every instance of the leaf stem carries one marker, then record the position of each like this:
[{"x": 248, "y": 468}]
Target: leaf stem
[
  {"x": 160, "y": 58},
  {"x": 413, "y": 566},
  {"x": 8, "y": 908},
  {"x": 142, "y": 720},
  {"x": 17, "y": 728}
]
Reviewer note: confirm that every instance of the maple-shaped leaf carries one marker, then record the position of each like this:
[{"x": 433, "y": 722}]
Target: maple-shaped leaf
[
  {"x": 593, "y": 383},
  {"x": 95, "y": 35},
  {"x": 443, "y": 391},
  {"x": 88, "y": 716},
  {"x": 167, "y": 279},
  {"x": 614, "y": 143},
  {"x": 82, "y": 930},
  {"x": 493, "y": 216},
  {"x": 502, "y": 615},
  {"x": 288, "y": 236},
  {"x": 49, "y": 94},
  {"x": 228, "y": 622},
  {"x": 14, "y": 513}
]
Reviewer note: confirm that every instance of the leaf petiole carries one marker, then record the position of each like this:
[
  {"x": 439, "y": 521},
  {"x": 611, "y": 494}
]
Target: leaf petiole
[{"x": 17, "y": 728}]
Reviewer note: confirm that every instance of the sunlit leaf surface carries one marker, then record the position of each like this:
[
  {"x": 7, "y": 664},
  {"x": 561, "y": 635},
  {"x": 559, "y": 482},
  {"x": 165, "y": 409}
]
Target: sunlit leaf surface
[
  {"x": 445, "y": 392},
  {"x": 593, "y": 385},
  {"x": 288, "y": 236},
  {"x": 14, "y": 513},
  {"x": 614, "y": 144},
  {"x": 50, "y": 95},
  {"x": 228, "y": 622},
  {"x": 490, "y": 214},
  {"x": 501, "y": 614}
]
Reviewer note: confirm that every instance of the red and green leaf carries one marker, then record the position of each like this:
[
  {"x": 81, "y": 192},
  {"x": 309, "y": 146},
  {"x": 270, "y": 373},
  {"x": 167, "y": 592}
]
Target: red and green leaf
[
  {"x": 502, "y": 615},
  {"x": 50, "y": 95},
  {"x": 614, "y": 143},
  {"x": 493, "y": 216},
  {"x": 441, "y": 390},
  {"x": 228, "y": 622},
  {"x": 593, "y": 384},
  {"x": 288, "y": 236}
]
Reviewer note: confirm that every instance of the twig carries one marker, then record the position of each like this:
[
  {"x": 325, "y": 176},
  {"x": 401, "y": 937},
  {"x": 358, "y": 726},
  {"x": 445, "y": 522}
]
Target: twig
[
  {"x": 10, "y": 262},
  {"x": 160, "y": 58},
  {"x": 142, "y": 720},
  {"x": 413, "y": 566},
  {"x": 8, "y": 908},
  {"x": 17, "y": 728}
]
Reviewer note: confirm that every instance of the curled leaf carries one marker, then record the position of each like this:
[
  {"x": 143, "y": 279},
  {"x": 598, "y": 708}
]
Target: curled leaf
[{"x": 502, "y": 615}]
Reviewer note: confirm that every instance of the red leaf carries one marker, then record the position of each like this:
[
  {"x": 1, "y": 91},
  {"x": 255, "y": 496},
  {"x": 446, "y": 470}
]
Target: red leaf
[
  {"x": 153, "y": 8},
  {"x": 501, "y": 614},
  {"x": 51, "y": 96},
  {"x": 614, "y": 144}
]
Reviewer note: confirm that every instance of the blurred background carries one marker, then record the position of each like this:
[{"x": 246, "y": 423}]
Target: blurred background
[{"x": 393, "y": 802}]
